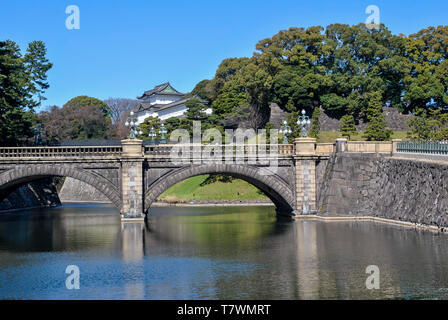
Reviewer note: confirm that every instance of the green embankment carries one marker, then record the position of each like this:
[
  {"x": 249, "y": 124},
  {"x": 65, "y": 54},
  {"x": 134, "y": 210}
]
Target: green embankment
[
  {"x": 330, "y": 136},
  {"x": 191, "y": 189}
]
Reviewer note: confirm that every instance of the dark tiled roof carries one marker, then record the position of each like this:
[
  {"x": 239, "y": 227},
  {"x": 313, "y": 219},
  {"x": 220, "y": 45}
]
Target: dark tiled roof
[{"x": 164, "y": 88}]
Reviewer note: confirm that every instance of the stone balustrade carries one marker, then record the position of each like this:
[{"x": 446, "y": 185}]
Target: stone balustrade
[
  {"x": 60, "y": 152},
  {"x": 164, "y": 150}
]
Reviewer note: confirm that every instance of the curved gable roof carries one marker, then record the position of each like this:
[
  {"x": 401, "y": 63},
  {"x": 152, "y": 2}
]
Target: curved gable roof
[{"x": 164, "y": 88}]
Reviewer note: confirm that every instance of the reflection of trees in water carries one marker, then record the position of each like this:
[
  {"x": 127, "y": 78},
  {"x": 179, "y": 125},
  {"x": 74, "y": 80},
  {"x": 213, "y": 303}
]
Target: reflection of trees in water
[
  {"x": 245, "y": 251},
  {"x": 305, "y": 259},
  {"x": 59, "y": 229},
  {"x": 228, "y": 232}
]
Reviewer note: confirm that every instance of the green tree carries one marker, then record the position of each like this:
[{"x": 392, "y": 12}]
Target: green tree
[
  {"x": 203, "y": 90},
  {"x": 150, "y": 122},
  {"x": 291, "y": 121},
  {"x": 420, "y": 128},
  {"x": 74, "y": 122},
  {"x": 195, "y": 110},
  {"x": 172, "y": 124},
  {"x": 441, "y": 134},
  {"x": 347, "y": 126},
  {"x": 315, "y": 126},
  {"x": 345, "y": 69},
  {"x": 231, "y": 98},
  {"x": 426, "y": 127},
  {"x": 36, "y": 68},
  {"x": 81, "y": 101},
  {"x": 22, "y": 83},
  {"x": 268, "y": 127},
  {"x": 376, "y": 129},
  {"x": 427, "y": 80}
]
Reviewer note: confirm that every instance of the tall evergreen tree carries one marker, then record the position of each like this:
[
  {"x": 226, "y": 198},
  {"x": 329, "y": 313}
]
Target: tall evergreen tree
[
  {"x": 347, "y": 126},
  {"x": 315, "y": 126},
  {"x": 376, "y": 129},
  {"x": 23, "y": 80}
]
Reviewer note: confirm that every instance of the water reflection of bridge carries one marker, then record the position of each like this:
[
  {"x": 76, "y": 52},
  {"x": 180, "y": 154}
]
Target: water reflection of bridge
[
  {"x": 253, "y": 251},
  {"x": 307, "y": 260}
]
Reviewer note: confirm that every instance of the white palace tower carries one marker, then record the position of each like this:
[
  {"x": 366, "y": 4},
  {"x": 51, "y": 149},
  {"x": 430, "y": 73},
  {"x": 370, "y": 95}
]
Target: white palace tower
[{"x": 163, "y": 102}]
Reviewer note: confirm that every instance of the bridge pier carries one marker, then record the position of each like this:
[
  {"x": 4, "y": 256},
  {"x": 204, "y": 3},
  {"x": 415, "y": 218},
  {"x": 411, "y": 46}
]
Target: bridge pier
[
  {"x": 132, "y": 185},
  {"x": 305, "y": 172}
]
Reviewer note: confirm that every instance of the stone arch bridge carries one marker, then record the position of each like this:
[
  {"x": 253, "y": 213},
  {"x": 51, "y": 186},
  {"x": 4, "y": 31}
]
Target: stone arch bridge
[{"x": 132, "y": 176}]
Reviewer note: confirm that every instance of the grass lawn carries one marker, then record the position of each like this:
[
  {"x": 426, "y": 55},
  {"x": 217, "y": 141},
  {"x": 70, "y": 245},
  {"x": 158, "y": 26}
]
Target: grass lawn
[
  {"x": 190, "y": 189},
  {"x": 330, "y": 136}
]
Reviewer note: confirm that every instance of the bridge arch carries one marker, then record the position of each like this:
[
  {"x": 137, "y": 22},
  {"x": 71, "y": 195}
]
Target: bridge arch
[
  {"x": 14, "y": 178},
  {"x": 274, "y": 187}
]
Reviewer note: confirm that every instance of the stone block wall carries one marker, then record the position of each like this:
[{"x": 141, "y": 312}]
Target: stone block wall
[
  {"x": 74, "y": 190},
  {"x": 40, "y": 193},
  {"x": 386, "y": 187},
  {"x": 132, "y": 188},
  {"x": 394, "y": 120},
  {"x": 306, "y": 186}
]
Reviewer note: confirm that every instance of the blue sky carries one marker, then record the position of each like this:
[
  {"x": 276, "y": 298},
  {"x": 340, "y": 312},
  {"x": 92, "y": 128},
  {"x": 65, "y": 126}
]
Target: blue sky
[{"x": 126, "y": 47}]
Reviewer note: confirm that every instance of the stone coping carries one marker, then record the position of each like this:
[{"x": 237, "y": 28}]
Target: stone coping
[
  {"x": 423, "y": 157},
  {"x": 372, "y": 218}
]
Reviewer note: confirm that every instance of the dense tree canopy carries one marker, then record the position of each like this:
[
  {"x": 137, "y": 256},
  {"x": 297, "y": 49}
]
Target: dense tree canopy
[
  {"x": 84, "y": 101},
  {"x": 81, "y": 118},
  {"x": 145, "y": 127},
  {"x": 346, "y": 70}
]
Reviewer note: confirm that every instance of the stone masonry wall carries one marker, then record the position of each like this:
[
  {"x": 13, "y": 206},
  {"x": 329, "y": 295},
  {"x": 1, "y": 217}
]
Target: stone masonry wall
[
  {"x": 41, "y": 193},
  {"x": 394, "y": 120},
  {"x": 74, "y": 190},
  {"x": 381, "y": 186}
]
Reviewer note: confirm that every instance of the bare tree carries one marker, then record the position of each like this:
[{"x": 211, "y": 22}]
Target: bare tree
[{"x": 120, "y": 109}]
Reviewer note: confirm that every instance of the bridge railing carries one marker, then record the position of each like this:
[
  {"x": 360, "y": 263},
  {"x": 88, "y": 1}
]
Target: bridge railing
[
  {"x": 428, "y": 147},
  {"x": 60, "y": 152},
  {"x": 247, "y": 150}
]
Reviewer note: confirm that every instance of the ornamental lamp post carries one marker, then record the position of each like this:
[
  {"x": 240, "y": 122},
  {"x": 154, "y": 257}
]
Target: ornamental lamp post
[
  {"x": 152, "y": 135},
  {"x": 285, "y": 129},
  {"x": 131, "y": 122},
  {"x": 162, "y": 132},
  {"x": 303, "y": 120}
]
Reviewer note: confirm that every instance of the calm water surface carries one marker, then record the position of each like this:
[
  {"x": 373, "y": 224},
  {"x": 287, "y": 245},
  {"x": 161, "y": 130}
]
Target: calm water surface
[{"x": 213, "y": 253}]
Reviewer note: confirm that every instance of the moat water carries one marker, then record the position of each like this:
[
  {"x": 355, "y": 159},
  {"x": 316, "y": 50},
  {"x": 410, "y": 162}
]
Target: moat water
[{"x": 214, "y": 253}]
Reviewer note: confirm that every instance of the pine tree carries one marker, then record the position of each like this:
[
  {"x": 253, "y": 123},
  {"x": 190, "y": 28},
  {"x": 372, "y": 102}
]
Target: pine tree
[
  {"x": 315, "y": 126},
  {"x": 150, "y": 122},
  {"x": 347, "y": 126},
  {"x": 22, "y": 82},
  {"x": 376, "y": 129}
]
